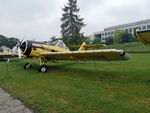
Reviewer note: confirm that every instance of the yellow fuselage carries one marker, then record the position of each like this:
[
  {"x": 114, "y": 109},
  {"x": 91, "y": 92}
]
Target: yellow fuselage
[{"x": 34, "y": 49}]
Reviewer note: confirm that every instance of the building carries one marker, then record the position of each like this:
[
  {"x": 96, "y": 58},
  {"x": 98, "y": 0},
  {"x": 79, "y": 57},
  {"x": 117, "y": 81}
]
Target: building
[{"x": 129, "y": 27}]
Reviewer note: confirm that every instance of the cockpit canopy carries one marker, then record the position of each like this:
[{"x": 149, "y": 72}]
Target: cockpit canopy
[{"x": 61, "y": 44}]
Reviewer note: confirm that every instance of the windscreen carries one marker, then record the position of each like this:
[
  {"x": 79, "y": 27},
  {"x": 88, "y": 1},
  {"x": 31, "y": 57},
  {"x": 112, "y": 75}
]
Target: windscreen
[{"x": 60, "y": 43}]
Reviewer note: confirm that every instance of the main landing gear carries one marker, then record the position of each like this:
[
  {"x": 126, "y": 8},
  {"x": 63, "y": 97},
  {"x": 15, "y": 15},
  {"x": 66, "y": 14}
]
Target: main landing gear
[
  {"x": 43, "y": 68},
  {"x": 28, "y": 66}
]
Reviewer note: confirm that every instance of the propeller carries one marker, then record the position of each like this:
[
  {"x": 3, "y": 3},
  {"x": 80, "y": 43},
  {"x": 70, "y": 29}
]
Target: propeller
[{"x": 18, "y": 48}]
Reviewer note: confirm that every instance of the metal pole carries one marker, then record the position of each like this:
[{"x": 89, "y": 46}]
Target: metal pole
[{"x": 7, "y": 66}]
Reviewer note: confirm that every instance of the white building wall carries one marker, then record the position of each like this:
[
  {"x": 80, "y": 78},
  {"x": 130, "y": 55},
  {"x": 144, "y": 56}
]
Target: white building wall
[{"x": 145, "y": 25}]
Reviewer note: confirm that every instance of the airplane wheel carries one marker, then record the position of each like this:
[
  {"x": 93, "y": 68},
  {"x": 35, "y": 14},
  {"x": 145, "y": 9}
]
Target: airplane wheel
[
  {"x": 43, "y": 69},
  {"x": 27, "y": 66}
]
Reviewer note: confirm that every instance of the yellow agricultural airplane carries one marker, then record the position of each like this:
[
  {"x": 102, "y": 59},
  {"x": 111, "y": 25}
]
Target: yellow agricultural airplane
[
  {"x": 58, "y": 51},
  {"x": 143, "y": 36}
]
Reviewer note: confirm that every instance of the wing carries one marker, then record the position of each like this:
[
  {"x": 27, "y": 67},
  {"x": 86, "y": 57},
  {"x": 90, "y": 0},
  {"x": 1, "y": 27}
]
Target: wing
[
  {"x": 7, "y": 55},
  {"x": 143, "y": 36},
  {"x": 90, "y": 55}
]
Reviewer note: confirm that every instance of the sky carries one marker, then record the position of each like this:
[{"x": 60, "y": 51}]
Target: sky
[{"x": 40, "y": 19}]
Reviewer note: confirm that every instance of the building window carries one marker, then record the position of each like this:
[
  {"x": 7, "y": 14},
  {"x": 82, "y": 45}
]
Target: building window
[
  {"x": 148, "y": 26},
  {"x": 105, "y": 34},
  {"x": 111, "y": 33},
  {"x": 102, "y": 34},
  {"x": 143, "y": 27},
  {"x": 130, "y": 30},
  {"x": 126, "y": 30},
  {"x": 108, "y": 33}
]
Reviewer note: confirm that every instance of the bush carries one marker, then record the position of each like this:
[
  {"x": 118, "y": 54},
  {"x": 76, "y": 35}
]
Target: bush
[
  {"x": 109, "y": 41},
  {"x": 123, "y": 37},
  {"x": 97, "y": 41}
]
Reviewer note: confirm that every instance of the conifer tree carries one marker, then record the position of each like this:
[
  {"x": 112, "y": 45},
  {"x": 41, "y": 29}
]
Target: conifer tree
[{"x": 72, "y": 24}]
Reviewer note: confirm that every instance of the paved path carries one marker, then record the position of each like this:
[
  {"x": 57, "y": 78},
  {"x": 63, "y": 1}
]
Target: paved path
[{"x": 10, "y": 105}]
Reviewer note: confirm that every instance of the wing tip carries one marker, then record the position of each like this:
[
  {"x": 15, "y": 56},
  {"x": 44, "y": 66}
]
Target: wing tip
[{"x": 125, "y": 55}]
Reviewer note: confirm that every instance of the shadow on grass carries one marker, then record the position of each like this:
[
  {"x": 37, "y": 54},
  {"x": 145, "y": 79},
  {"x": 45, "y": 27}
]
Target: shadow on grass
[{"x": 73, "y": 69}]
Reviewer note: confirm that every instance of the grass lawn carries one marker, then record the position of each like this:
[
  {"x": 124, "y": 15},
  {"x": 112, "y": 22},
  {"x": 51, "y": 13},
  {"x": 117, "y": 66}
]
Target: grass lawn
[
  {"x": 104, "y": 87},
  {"x": 132, "y": 47}
]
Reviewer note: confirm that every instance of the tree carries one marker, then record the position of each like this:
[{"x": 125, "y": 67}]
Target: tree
[
  {"x": 88, "y": 40},
  {"x": 96, "y": 41},
  {"x": 109, "y": 41},
  {"x": 72, "y": 24},
  {"x": 9, "y": 42},
  {"x": 133, "y": 39},
  {"x": 53, "y": 39},
  {"x": 127, "y": 37},
  {"x": 2, "y": 40},
  {"x": 117, "y": 36},
  {"x": 123, "y": 37}
]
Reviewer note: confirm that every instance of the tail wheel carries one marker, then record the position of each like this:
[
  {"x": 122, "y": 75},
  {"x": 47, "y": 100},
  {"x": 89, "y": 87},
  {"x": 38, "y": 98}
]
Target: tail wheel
[
  {"x": 43, "y": 69},
  {"x": 27, "y": 66}
]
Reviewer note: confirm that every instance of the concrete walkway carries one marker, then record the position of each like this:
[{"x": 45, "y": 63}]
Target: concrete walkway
[{"x": 10, "y": 105}]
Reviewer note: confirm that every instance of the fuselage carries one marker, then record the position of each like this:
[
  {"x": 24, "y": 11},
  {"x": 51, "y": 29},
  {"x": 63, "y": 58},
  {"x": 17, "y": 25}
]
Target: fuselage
[{"x": 34, "y": 48}]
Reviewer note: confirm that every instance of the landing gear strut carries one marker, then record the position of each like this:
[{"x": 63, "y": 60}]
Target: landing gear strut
[{"x": 27, "y": 66}]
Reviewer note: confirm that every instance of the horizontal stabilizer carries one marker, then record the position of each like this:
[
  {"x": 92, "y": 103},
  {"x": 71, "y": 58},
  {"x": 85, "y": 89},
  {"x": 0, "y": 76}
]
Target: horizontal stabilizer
[{"x": 87, "y": 47}]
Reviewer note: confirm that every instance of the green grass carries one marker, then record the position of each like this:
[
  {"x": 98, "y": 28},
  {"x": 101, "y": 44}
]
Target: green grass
[
  {"x": 116, "y": 87},
  {"x": 134, "y": 47}
]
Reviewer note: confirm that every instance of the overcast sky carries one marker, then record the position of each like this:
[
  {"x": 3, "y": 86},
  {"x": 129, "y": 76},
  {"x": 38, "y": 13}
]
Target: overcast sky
[{"x": 40, "y": 19}]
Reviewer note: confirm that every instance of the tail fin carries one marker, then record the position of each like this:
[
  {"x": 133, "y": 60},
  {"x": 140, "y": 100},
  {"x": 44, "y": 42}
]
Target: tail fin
[{"x": 82, "y": 47}]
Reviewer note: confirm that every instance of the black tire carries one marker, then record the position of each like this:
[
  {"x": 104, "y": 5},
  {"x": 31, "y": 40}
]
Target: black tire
[
  {"x": 27, "y": 66},
  {"x": 43, "y": 69}
]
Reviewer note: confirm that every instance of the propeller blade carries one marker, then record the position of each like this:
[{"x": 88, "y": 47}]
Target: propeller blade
[
  {"x": 18, "y": 47},
  {"x": 19, "y": 52}
]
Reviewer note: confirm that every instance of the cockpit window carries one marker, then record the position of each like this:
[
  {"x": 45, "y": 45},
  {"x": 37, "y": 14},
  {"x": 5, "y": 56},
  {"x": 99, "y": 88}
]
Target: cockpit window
[{"x": 60, "y": 43}]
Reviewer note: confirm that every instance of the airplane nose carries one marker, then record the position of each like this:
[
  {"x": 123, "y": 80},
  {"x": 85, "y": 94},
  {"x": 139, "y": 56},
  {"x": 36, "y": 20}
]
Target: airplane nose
[{"x": 26, "y": 47}]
